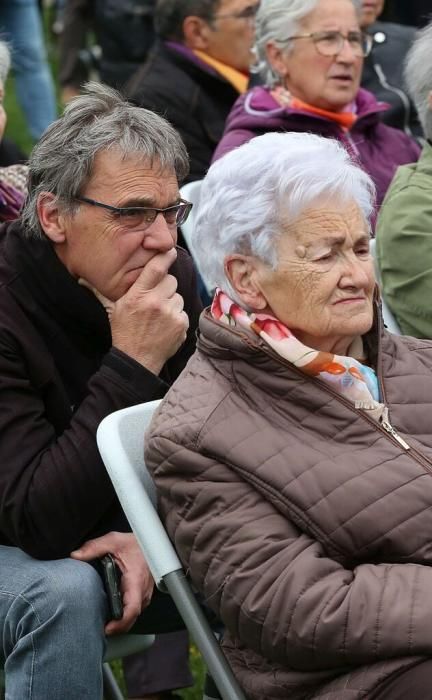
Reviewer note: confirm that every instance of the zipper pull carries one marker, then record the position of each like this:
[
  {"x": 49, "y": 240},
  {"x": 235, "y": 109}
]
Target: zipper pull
[{"x": 385, "y": 423}]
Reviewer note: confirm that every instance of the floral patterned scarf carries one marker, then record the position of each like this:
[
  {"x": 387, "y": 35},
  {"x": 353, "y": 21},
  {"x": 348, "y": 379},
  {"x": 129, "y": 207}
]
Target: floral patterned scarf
[{"x": 346, "y": 375}]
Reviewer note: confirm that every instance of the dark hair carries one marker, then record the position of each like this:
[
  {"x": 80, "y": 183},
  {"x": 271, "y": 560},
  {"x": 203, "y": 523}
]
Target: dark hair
[{"x": 169, "y": 15}]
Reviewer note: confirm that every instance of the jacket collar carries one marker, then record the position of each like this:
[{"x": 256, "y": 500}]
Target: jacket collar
[{"x": 43, "y": 281}]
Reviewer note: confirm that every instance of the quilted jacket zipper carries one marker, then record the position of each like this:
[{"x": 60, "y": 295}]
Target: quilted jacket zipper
[{"x": 384, "y": 426}]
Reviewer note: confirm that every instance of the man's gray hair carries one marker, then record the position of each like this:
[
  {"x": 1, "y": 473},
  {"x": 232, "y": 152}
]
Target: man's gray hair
[
  {"x": 5, "y": 61},
  {"x": 276, "y": 21},
  {"x": 418, "y": 76},
  {"x": 253, "y": 193},
  {"x": 99, "y": 120}
]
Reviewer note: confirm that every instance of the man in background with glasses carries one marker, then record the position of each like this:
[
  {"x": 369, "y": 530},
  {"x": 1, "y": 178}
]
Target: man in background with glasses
[
  {"x": 97, "y": 312},
  {"x": 198, "y": 68}
]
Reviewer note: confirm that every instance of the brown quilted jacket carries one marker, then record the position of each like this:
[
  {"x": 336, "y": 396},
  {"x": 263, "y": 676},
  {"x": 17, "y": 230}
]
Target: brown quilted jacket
[{"x": 306, "y": 526}]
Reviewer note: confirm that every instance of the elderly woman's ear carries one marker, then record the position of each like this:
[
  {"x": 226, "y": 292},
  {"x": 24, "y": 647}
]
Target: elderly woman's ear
[
  {"x": 242, "y": 271},
  {"x": 277, "y": 59}
]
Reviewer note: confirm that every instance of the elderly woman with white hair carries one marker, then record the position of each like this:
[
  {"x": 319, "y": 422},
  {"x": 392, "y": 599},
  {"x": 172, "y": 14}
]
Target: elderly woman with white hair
[
  {"x": 293, "y": 456},
  {"x": 312, "y": 53},
  {"x": 13, "y": 178}
]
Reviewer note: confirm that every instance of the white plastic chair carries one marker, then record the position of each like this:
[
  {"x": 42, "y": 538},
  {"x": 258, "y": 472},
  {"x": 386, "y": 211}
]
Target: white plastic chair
[
  {"x": 191, "y": 192},
  {"x": 120, "y": 439},
  {"x": 389, "y": 320}
]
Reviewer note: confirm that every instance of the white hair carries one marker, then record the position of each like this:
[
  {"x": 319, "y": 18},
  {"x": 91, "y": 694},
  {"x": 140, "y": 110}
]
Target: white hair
[
  {"x": 418, "y": 76},
  {"x": 5, "y": 61},
  {"x": 251, "y": 194},
  {"x": 276, "y": 21}
]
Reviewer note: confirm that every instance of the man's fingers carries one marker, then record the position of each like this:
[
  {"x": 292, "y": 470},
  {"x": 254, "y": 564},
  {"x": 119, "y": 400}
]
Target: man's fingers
[
  {"x": 155, "y": 270},
  {"x": 93, "y": 549}
]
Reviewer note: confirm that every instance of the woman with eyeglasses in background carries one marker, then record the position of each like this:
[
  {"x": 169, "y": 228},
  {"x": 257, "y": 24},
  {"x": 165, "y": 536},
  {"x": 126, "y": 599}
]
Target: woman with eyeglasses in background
[{"x": 312, "y": 54}]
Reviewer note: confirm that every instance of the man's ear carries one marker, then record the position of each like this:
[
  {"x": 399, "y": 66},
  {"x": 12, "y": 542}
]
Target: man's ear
[
  {"x": 51, "y": 218},
  {"x": 242, "y": 272},
  {"x": 430, "y": 100},
  {"x": 196, "y": 32},
  {"x": 277, "y": 59}
]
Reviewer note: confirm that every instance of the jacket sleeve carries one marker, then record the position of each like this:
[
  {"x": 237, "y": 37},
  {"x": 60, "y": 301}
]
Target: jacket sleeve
[
  {"x": 54, "y": 489},
  {"x": 232, "y": 139},
  {"x": 405, "y": 257},
  {"x": 274, "y": 587}
]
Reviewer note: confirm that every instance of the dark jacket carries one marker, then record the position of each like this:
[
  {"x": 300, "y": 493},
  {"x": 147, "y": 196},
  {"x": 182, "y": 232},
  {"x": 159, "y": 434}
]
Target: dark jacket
[
  {"x": 304, "y": 524},
  {"x": 123, "y": 31},
  {"x": 191, "y": 95},
  {"x": 377, "y": 148},
  {"x": 383, "y": 75},
  {"x": 59, "y": 376}
]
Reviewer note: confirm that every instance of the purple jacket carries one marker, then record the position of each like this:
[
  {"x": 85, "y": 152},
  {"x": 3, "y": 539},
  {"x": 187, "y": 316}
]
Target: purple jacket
[{"x": 378, "y": 148}]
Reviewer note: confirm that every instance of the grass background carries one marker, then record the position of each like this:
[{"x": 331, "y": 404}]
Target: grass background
[{"x": 17, "y": 130}]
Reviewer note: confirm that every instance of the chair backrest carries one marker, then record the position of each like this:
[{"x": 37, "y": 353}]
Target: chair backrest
[
  {"x": 120, "y": 439},
  {"x": 389, "y": 320},
  {"x": 191, "y": 191}
]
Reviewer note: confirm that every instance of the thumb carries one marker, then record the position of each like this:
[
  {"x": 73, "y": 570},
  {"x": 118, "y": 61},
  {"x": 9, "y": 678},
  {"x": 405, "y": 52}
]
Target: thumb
[
  {"x": 93, "y": 549},
  {"x": 155, "y": 271}
]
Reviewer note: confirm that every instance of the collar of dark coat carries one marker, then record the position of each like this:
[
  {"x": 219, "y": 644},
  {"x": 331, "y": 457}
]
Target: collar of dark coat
[{"x": 43, "y": 281}]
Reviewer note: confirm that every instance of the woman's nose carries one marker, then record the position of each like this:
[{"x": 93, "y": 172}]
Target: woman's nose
[{"x": 357, "y": 273}]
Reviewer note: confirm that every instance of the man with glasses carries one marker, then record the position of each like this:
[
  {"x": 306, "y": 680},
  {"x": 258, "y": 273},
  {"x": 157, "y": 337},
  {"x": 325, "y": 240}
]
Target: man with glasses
[
  {"x": 99, "y": 225},
  {"x": 198, "y": 68}
]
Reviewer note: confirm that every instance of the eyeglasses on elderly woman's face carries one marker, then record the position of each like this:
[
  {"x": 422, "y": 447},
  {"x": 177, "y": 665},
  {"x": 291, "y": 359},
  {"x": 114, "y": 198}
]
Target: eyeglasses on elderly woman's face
[
  {"x": 331, "y": 43},
  {"x": 143, "y": 217}
]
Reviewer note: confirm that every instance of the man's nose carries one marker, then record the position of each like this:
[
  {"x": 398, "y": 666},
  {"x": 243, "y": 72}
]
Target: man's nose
[{"x": 160, "y": 235}]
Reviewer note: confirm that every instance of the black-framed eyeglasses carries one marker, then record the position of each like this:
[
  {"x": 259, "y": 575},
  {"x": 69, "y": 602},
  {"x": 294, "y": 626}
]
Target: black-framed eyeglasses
[
  {"x": 331, "y": 43},
  {"x": 248, "y": 13},
  {"x": 142, "y": 217}
]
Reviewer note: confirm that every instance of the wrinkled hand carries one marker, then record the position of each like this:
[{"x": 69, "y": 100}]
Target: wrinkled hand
[
  {"x": 136, "y": 583},
  {"x": 148, "y": 323}
]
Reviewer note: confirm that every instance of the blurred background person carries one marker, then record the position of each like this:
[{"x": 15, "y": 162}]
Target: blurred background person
[
  {"x": 383, "y": 68},
  {"x": 412, "y": 12},
  {"x": 21, "y": 27},
  {"x": 111, "y": 37},
  {"x": 13, "y": 178},
  {"x": 404, "y": 228},
  {"x": 197, "y": 70},
  {"x": 313, "y": 52}
]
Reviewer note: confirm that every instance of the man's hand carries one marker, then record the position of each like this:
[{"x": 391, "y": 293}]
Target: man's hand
[
  {"x": 148, "y": 323},
  {"x": 136, "y": 583}
]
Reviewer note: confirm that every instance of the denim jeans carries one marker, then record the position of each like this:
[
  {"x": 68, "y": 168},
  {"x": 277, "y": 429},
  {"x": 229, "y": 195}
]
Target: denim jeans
[
  {"x": 21, "y": 27},
  {"x": 52, "y": 618}
]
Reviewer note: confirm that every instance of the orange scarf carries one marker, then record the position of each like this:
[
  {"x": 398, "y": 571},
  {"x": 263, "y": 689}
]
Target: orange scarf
[
  {"x": 346, "y": 120},
  {"x": 237, "y": 79}
]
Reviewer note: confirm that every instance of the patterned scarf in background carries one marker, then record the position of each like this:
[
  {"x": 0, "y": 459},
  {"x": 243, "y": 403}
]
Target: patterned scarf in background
[
  {"x": 13, "y": 190},
  {"x": 345, "y": 375}
]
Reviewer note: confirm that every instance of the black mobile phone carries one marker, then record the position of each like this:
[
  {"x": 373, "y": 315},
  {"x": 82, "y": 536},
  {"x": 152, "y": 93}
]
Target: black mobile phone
[{"x": 112, "y": 577}]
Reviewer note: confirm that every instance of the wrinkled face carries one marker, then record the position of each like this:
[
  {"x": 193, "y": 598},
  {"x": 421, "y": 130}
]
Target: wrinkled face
[
  {"x": 322, "y": 288},
  {"x": 231, "y": 36},
  {"x": 103, "y": 249},
  {"x": 328, "y": 82},
  {"x": 371, "y": 10}
]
